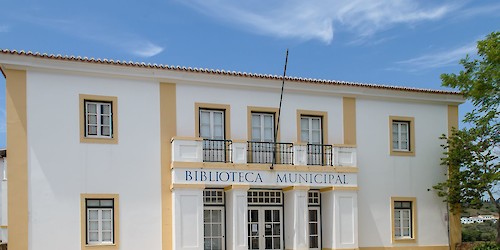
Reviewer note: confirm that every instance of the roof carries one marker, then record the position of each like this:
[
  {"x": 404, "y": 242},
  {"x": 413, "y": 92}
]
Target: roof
[{"x": 219, "y": 72}]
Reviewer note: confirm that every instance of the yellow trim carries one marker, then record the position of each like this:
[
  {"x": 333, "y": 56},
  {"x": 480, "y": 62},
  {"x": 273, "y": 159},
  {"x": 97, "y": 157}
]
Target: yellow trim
[
  {"x": 324, "y": 123},
  {"x": 411, "y": 128},
  {"x": 114, "y": 117},
  {"x": 190, "y": 186},
  {"x": 245, "y": 187},
  {"x": 251, "y": 109},
  {"x": 327, "y": 189},
  {"x": 263, "y": 167},
  {"x": 414, "y": 226},
  {"x": 186, "y": 138},
  {"x": 407, "y": 248},
  {"x": 227, "y": 117},
  {"x": 4, "y": 226},
  {"x": 345, "y": 145},
  {"x": 17, "y": 143},
  {"x": 83, "y": 221},
  {"x": 455, "y": 226},
  {"x": 346, "y": 169},
  {"x": 168, "y": 130},
  {"x": 296, "y": 188},
  {"x": 349, "y": 122}
]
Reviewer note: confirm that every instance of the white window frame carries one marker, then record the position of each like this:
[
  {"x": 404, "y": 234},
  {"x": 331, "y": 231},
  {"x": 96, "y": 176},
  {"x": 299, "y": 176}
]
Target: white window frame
[
  {"x": 317, "y": 224},
  {"x": 310, "y": 128},
  {"x": 211, "y": 123},
  {"x": 399, "y": 216},
  {"x": 261, "y": 127},
  {"x": 222, "y": 224},
  {"x": 398, "y": 138},
  {"x": 99, "y": 119},
  {"x": 100, "y": 231}
]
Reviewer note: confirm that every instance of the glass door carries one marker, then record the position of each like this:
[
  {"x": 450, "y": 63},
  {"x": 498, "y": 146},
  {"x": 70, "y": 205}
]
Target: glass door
[{"x": 265, "y": 228}]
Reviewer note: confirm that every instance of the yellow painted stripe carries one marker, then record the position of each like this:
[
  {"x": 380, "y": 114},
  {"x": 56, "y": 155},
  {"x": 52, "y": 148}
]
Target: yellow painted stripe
[
  {"x": 17, "y": 143},
  {"x": 167, "y": 131}
]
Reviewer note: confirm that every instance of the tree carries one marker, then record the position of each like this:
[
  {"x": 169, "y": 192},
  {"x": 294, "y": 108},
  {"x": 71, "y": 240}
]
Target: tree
[{"x": 472, "y": 153}]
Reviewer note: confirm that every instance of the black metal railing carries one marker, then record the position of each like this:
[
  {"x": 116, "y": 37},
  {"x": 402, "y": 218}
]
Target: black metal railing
[
  {"x": 270, "y": 152},
  {"x": 216, "y": 150},
  {"x": 319, "y": 154}
]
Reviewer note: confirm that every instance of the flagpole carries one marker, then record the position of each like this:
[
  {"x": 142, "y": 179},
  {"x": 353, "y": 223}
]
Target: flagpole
[{"x": 279, "y": 111}]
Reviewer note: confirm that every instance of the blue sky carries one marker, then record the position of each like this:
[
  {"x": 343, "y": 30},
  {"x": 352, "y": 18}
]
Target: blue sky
[{"x": 395, "y": 42}]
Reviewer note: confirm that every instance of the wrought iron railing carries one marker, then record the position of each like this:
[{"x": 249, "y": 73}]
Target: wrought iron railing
[
  {"x": 216, "y": 150},
  {"x": 319, "y": 154},
  {"x": 270, "y": 152}
]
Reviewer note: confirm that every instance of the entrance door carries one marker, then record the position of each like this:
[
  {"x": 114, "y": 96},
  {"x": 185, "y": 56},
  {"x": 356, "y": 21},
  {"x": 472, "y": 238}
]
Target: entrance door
[{"x": 265, "y": 228}]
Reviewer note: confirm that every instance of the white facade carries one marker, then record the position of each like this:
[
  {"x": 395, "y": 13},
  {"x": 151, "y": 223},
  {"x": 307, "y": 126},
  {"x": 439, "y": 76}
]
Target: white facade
[{"x": 158, "y": 170}]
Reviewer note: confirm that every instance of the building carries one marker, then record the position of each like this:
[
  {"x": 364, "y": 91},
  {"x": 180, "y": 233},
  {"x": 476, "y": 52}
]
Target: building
[{"x": 107, "y": 154}]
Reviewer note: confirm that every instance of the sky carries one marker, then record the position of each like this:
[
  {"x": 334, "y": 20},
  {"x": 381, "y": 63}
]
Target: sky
[{"x": 393, "y": 42}]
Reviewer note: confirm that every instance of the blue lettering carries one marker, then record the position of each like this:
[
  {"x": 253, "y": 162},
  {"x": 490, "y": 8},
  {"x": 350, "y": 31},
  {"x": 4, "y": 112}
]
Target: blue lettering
[{"x": 189, "y": 176}]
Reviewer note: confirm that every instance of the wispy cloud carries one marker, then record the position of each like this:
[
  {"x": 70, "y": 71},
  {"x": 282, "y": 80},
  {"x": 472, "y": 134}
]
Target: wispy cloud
[
  {"x": 437, "y": 59},
  {"x": 318, "y": 19},
  {"x": 96, "y": 31},
  {"x": 480, "y": 10},
  {"x": 146, "y": 49}
]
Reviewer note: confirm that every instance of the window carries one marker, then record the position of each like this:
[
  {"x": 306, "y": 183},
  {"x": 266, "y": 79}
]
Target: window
[
  {"x": 212, "y": 120},
  {"x": 402, "y": 139},
  {"x": 212, "y": 124},
  {"x": 100, "y": 223},
  {"x": 213, "y": 219},
  {"x": 400, "y": 136},
  {"x": 262, "y": 127},
  {"x": 312, "y": 131},
  {"x": 403, "y": 219},
  {"x": 314, "y": 219},
  {"x": 98, "y": 119}
]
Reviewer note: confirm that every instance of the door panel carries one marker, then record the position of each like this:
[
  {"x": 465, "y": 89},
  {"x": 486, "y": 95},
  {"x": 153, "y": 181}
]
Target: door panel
[{"x": 265, "y": 228}]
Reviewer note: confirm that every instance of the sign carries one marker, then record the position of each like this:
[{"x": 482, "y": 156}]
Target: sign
[{"x": 263, "y": 178}]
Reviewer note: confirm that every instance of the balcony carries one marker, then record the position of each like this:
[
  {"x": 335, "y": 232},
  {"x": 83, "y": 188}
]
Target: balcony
[{"x": 250, "y": 152}]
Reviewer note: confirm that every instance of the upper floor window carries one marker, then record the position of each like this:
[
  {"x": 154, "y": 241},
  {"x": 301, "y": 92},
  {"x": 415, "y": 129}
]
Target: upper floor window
[
  {"x": 98, "y": 119},
  {"x": 212, "y": 124},
  {"x": 310, "y": 129},
  {"x": 98, "y": 122},
  {"x": 263, "y": 127},
  {"x": 402, "y": 136}
]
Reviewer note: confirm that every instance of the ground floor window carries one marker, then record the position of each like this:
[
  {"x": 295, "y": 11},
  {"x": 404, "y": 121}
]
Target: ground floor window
[
  {"x": 314, "y": 219},
  {"x": 403, "y": 218},
  {"x": 100, "y": 222},
  {"x": 213, "y": 219}
]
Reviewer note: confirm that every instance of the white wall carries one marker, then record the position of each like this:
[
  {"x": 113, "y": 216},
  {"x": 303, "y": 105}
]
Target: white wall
[
  {"x": 60, "y": 168},
  {"x": 382, "y": 176},
  {"x": 241, "y": 98}
]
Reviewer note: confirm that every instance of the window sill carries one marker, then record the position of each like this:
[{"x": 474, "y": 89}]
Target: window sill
[
  {"x": 99, "y": 140},
  {"x": 402, "y": 153},
  {"x": 103, "y": 246},
  {"x": 404, "y": 240}
]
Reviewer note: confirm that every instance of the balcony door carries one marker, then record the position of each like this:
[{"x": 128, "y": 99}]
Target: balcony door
[
  {"x": 212, "y": 131},
  {"x": 311, "y": 133},
  {"x": 262, "y": 146}
]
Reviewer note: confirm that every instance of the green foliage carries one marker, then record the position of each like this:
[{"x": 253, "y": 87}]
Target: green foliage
[
  {"x": 472, "y": 154},
  {"x": 479, "y": 232},
  {"x": 487, "y": 246}
]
